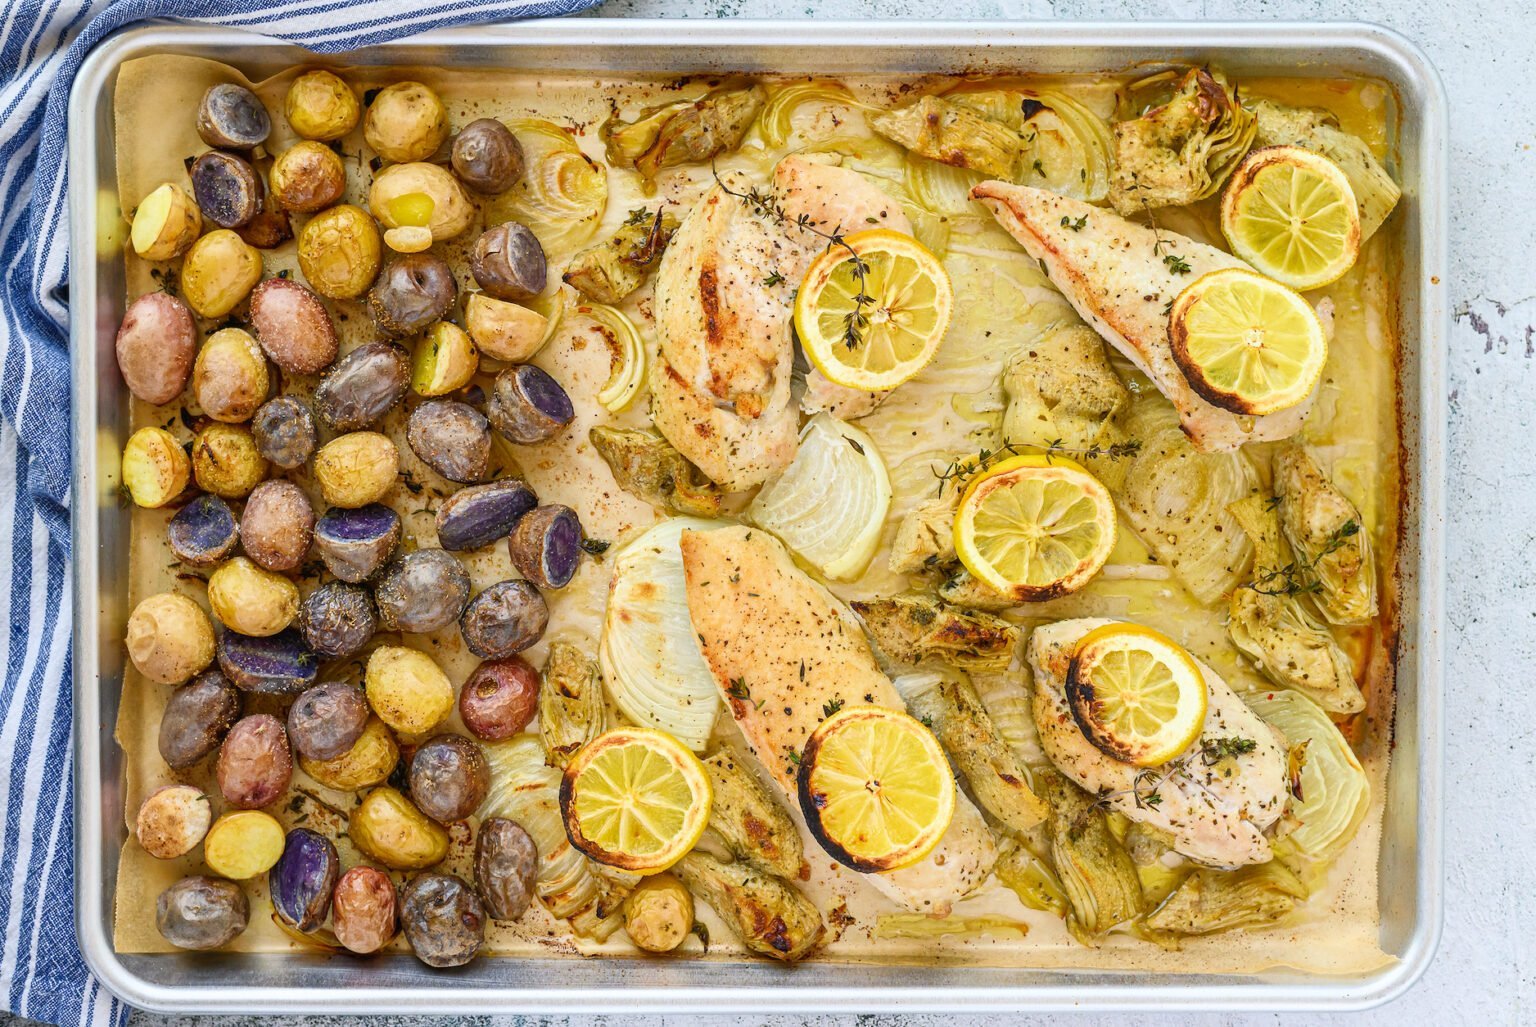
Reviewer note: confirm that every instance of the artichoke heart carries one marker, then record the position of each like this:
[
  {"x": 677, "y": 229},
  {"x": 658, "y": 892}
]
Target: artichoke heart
[
  {"x": 768, "y": 914},
  {"x": 1210, "y": 901},
  {"x": 750, "y": 823},
  {"x": 908, "y": 629},
  {"x": 1096, "y": 873},
  {"x": 684, "y": 131},
  {"x": 1328, "y": 535},
  {"x": 1269, "y": 623},
  {"x": 944, "y": 131},
  {"x": 616, "y": 267},
  {"x": 646, "y": 465},
  {"x": 925, "y": 537},
  {"x": 1318, "y": 131},
  {"x": 1031, "y": 879},
  {"x": 571, "y": 710},
  {"x": 1183, "y": 149}
]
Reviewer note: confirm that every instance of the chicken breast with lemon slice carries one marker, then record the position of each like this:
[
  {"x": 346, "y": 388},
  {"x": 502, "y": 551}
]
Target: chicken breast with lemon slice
[
  {"x": 1121, "y": 278},
  {"x": 784, "y": 652},
  {"x": 724, "y": 299},
  {"x": 1216, "y": 809}
]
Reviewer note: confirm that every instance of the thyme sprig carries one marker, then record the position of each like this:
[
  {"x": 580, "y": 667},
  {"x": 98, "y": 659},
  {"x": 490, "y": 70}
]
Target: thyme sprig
[
  {"x": 1298, "y": 577},
  {"x": 1214, "y": 750},
  {"x": 963, "y": 469}
]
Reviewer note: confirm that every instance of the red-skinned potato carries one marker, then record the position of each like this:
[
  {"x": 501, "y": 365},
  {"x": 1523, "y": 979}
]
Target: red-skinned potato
[{"x": 156, "y": 345}]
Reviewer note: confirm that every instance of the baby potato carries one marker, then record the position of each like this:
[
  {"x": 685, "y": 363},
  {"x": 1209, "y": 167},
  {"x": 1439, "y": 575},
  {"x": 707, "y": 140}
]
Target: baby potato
[
  {"x": 204, "y": 533},
  {"x": 420, "y": 195},
  {"x": 452, "y": 438},
  {"x": 324, "y": 722},
  {"x": 154, "y": 467},
  {"x": 356, "y": 469},
  {"x": 320, "y": 105},
  {"x": 250, "y": 600},
  {"x": 169, "y": 638},
  {"x": 506, "y": 618},
  {"x": 364, "y": 913},
  {"x": 499, "y": 698},
  {"x": 227, "y": 188},
  {"x": 165, "y": 224},
  {"x": 421, "y": 591},
  {"x": 172, "y": 821},
  {"x": 337, "y": 619},
  {"x": 407, "y": 690},
  {"x": 307, "y": 177},
  {"x": 445, "y": 360},
  {"x": 506, "y": 867},
  {"x": 355, "y": 543},
  {"x": 443, "y": 919},
  {"x": 546, "y": 545},
  {"x": 230, "y": 379},
  {"x": 405, "y": 122},
  {"x": 196, "y": 718},
  {"x": 339, "y": 251},
  {"x": 293, "y": 326},
  {"x": 231, "y": 117},
  {"x": 487, "y": 156},
  {"x": 508, "y": 262},
  {"x": 659, "y": 913},
  {"x": 267, "y": 230},
  {"x": 202, "y": 913},
  {"x": 226, "y": 462},
  {"x": 278, "y": 525},
  {"x": 364, "y": 385},
  {"x": 279, "y": 664},
  {"x": 156, "y": 344},
  {"x": 411, "y": 293},
  {"x": 255, "y": 763},
  {"x": 369, "y": 762},
  {"x": 503, "y": 330},
  {"x": 301, "y": 883},
  {"x": 243, "y": 844},
  {"x": 284, "y": 430},
  {"x": 387, "y": 827},
  {"x": 219, "y": 272},
  {"x": 449, "y": 778}
]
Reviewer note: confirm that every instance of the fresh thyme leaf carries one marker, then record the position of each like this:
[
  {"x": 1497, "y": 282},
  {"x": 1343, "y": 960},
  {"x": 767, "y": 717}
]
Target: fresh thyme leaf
[
  {"x": 773, "y": 279},
  {"x": 857, "y": 447},
  {"x": 1039, "y": 168},
  {"x": 638, "y": 216},
  {"x": 595, "y": 546},
  {"x": 1177, "y": 264},
  {"x": 1077, "y": 225},
  {"x": 1214, "y": 750},
  {"x": 829, "y": 708}
]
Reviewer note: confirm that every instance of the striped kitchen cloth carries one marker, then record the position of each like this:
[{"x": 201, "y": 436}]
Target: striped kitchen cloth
[{"x": 42, "y": 43}]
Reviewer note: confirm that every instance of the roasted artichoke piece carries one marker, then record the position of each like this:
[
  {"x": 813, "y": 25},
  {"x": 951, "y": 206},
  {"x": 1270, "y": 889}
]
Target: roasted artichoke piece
[
  {"x": 767, "y": 913},
  {"x": 571, "y": 711},
  {"x": 616, "y": 267},
  {"x": 1219, "y": 900},
  {"x": 1031, "y": 879},
  {"x": 1182, "y": 149},
  {"x": 1095, "y": 871},
  {"x": 949, "y": 133},
  {"x": 1328, "y": 536},
  {"x": 960, "y": 589},
  {"x": 909, "y": 629},
  {"x": 684, "y": 131},
  {"x": 752, "y": 826},
  {"x": 1318, "y": 131},
  {"x": 925, "y": 538},
  {"x": 1268, "y": 621},
  {"x": 647, "y": 465}
]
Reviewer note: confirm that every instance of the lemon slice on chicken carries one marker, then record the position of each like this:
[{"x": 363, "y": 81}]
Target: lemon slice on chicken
[
  {"x": 872, "y": 309},
  {"x": 1135, "y": 694},
  {"x": 1292, "y": 214}
]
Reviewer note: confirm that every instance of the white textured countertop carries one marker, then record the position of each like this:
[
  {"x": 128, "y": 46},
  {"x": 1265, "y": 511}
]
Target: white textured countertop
[{"x": 1485, "y": 972}]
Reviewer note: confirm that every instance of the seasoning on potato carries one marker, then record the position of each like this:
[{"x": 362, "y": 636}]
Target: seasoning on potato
[
  {"x": 449, "y": 778},
  {"x": 172, "y": 821},
  {"x": 421, "y": 591},
  {"x": 230, "y": 379},
  {"x": 354, "y": 544},
  {"x": 196, "y": 718},
  {"x": 227, "y": 188},
  {"x": 255, "y": 764},
  {"x": 369, "y": 762},
  {"x": 405, "y": 122},
  {"x": 487, "y": 157},
  {"x": 277, "y": 526},
  {"x": 303, "y": 878},
  {"x": 251, "y": 600},
  {"x": 356, "y": 469},
  {"x": 420, "y": 195},
  {"x": 219, "y": 272},
  {"x": 320, "y": 105},
  {"x": 415, "y": 290},
  {"x": 156, "y": 344},
  {"x": 445, "y": 360},
  {"x": 528, "y": 406},
  {"x": 338, "y": 619},
  {"x": 243, "y": 844},
  {"x": 443, "y": 919},
  {"x": 504, "y": 330},
  {"x": 293, "y": 326},
  {"x": 505, "y": 619},
  {"x": 546, "y": 545},
  {"x": 226, "y": 462},
  {"x": 407, "y": 689},
  {"x": 232, "y": 117},
  {"x": 279, "y": 664},
  {"x": 452, "y": 438},
  {"x": 364, "y": 385},
  {"x": 203, "y": 533},
  {"x": 480, "y": 514},
  {"x": 364, "y": 910},
  {"x": 388, "y": 827},
  {"x": 325, "y": 721},
  {"x": 499, "y": 698},
  {"x": 284, "y": 431},
  {"x": 155, "y": 467},
  {"x": 169, "y": 638},
  {"x": 339, "y": 252},
  {"x": 165, "y": 224},
  {"x": 202, "y": 913},
  {"x": 508, "y": 261},
  {"x": 308, "y": 176},
  {"x": 506, "y": 867}
]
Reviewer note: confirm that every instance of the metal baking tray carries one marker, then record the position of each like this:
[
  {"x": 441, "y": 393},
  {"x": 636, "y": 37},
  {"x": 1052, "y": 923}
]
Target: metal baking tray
[{"x": 1410, "y": 867}]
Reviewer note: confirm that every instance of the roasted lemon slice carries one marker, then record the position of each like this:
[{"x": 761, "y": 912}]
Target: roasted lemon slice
[
  {"x": 1292, "y": 214},
  {"x": 635, "y": 798},
  {"x": 1245, "y": 343},
  {"x": 1136, "y": 694},
  {"x": 1035, "y": 527},
  {"x": 876, "y": 788},
  {"x": 894, "y": 332}
]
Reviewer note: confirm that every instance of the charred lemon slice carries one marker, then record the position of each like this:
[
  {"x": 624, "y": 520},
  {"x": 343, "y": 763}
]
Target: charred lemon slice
[
  {"x": 1292, "y": 214},
  {"x": 1135, "y": 694},
  {"x": 872, "y": 310},
  {"x": 1035, "y": 527},
  {"x": 875, "y": 788},
  {"x": 635, "y": 798},
  {"x": 1245, "y": 343}
]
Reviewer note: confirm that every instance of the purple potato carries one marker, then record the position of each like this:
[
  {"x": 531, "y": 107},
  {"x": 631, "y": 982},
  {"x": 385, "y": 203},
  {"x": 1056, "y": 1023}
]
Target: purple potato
[
  {"x": 364, "y": 385},
  {"x": 481, "y": 514},
  {"x": 508, "y": 262},
  {"x": 255, "y": 764},
  {"x": 364, "y": 910},
  {"x": 528, "y": 406},
  {"x": 232, "y": 118},
  {"x": 279, "y": 664},
  {"x": 487, "y": 157},
  {"x": 284, "y": 430},
  {"x": 506, "y": 864},
  {"x": 499, "y": 698},
  {"x": 337, "y": 619},
  {"x": 449, "y": 778},
  {"x": 411, "y": 293},
  {"x": 202, "y": 912},
  {"x": 505, "y": 619},
  {"x": 443, "y": 919},
  {"x": 546, "y": 545},
  {"x": 452, "y": 438},
  {"x": 302, "y": 880},
  {"x": 227, "y": 188},
  {"x": 204, "y": 532},
  {"x": 293, "y": 326},
  {"x": 277, "y": 526},
  {"x": 325, "y": 721},
  {"x": 197, "y": 716},
  {"x": 421, "y": 591},
  {"x": 354, "y": 544}
]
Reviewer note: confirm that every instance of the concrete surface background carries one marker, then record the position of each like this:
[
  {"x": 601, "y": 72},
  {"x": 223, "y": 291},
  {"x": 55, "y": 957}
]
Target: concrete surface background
[{"x": 1485, "y": 972}]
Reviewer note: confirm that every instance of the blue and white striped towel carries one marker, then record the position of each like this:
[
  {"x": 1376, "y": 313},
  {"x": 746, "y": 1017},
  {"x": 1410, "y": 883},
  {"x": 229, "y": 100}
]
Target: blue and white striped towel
[{"x": 42, "y": 43}]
